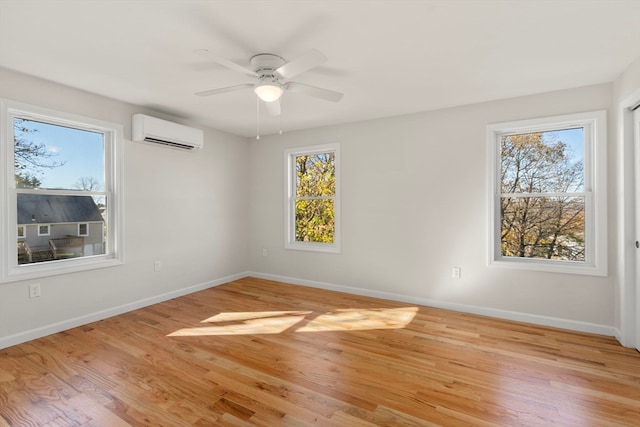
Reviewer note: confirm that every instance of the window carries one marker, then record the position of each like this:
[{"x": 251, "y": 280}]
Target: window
[
  {"x": 548, "y": 194},
  {"x": 313, "y": 198},
  {"x": 66, "y": 175},
  {"x": 83, "y": 229},
  {"x": 44, "y": 230}
]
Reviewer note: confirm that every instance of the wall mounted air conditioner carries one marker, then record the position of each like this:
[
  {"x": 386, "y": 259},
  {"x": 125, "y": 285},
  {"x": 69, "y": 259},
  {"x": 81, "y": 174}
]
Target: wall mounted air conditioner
[{"x": 157, "y": 131}]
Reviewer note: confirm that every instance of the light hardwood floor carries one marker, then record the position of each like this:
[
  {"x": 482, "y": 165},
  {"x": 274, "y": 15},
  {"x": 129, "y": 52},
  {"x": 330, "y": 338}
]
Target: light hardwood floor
[{"x": 256, "y": 352}]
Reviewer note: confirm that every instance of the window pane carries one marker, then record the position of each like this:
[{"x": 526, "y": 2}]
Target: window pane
[
  {"x": 63, "y": 214},
  {"x": 52, "y": 156},
  {"x": 543, "y": 162},
  {"x": 315, "y": 175},
  {"x": 315, "y": 221},
  {"x": 543, "y": 227}
]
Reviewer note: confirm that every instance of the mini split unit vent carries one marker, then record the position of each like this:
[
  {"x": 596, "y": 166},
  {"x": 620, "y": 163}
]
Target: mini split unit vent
[{"x": 157, "y": 131}]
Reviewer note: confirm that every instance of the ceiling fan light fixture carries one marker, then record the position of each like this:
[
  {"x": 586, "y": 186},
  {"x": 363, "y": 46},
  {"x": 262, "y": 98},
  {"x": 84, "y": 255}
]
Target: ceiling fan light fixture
[{"x": 268, "y": 91}]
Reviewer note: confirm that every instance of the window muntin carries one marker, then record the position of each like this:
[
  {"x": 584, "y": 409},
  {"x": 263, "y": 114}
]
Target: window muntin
[
  {"x": 313, "y": 199},
  {"x": 66, "y": 169},
  {"x": 548, "y": 200}
]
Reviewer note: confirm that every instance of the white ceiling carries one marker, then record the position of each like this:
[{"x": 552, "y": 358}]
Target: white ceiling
[{"x": 387, "y": 57}]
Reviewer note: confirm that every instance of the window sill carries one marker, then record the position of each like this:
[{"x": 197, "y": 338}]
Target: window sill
[
  {"x": 563, "y": 267},
  {"x": 313, "y": 247},
  {"x": 54, "y": 268}
]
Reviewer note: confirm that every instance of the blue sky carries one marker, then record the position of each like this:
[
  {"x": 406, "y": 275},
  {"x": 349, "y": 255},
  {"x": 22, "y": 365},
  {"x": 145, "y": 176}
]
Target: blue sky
[
  {"x": 81, "y": 151},
  {"x": 574, "y": 138}
]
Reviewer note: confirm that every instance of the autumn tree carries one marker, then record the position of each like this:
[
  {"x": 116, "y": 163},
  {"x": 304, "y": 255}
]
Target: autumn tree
[
  {"x": 315, "y": 191},
  {"x": 30, "y": 157},
  {"x": 540, "y": 217},
  {"x": 27, "y": 180}
]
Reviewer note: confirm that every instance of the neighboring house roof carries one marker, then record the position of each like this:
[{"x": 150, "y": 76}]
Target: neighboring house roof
[{"x": 54, "y": 209}]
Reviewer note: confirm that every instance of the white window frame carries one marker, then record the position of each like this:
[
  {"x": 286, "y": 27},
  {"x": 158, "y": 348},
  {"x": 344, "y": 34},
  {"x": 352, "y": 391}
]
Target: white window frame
[
  {"x": 22, "y": 235},
  {"x": 290, "y": 199},
  {"x": 10, "y": 270},
  {"x": 86, "y": 224},
  {"x": 595, "y": 192},
  {"x": 47, "y": 233}
]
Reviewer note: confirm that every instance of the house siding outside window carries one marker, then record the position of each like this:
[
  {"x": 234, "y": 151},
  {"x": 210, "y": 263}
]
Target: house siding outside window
[{"x": 66, "y": 195}]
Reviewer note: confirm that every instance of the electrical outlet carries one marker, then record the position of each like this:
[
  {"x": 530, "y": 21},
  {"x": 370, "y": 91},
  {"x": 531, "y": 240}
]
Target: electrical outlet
[
  {"x": 264, "y": 251},
  {"x": 456, "y": 272},
  {"x": 34, "y": 290},
  {"x": 157, "y": 265}
]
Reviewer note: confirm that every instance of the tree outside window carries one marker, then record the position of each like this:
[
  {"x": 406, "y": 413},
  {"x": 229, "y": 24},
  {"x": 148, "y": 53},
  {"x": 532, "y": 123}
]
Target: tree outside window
[
  {"x": 312, "y": 200},
  {"x": 62, "y": 201},
  {"x": 542, "y": 203},
  {"x": 315, "y": 193},
  {"x": 55, "y": 160},
  {"x": 548, "y": 194}
]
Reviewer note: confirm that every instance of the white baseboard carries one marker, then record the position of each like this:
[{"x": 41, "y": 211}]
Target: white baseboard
[
  {"x": 574, "y": 325},
  {"x": 110, "y": 312},
  {"x": 555, "y": 322},
  {"x": 618, "y": 334}
]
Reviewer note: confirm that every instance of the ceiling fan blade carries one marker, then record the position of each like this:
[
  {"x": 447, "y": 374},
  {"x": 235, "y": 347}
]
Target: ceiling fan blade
[
  {"x": 307, "y": 61},
  {"x": 317, "y": 92},
  {"x": 225, "y": 62},
  {"x": 273, "y": 107},
  {"x": 235, "y": 67},
  {"x": 224, "y": 89}
]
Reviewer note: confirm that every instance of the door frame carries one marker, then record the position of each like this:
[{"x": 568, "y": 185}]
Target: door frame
[
  {"x": 627, "y": 295},
  {"x": 635, "y": 120}
]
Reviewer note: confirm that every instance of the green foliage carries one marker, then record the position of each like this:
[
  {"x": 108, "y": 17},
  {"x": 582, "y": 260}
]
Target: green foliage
[
  {"x": 25, "y": 180},
  {"x": 315, "y": 190},
  {"x": 543, "y": 225}
]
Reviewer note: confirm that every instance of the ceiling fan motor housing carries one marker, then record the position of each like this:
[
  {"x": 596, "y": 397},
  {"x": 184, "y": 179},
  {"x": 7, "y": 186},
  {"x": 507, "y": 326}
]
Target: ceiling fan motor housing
[{"x": 265, "y": 65}]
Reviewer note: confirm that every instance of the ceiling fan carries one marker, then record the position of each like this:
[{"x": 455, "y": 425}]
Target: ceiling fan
[{"x": 273, "y": 73}]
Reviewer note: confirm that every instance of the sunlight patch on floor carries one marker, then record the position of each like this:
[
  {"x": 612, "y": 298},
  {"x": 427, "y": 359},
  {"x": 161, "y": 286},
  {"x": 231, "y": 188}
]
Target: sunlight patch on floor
[
  {"x": 355, "y": 319},
  {"x": 239, "y": 316},
  {"x": 275, "y": 322},
  {"x": 243, "y": 323}
]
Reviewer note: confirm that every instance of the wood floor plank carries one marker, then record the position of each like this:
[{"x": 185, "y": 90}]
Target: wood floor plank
[{"x": 261, "y": 353}]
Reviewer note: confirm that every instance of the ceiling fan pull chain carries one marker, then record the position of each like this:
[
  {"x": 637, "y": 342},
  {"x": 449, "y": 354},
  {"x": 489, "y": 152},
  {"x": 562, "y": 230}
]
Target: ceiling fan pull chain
[
  {"x": 280, "y": 118},
  {"x": 257, "y": 118}
]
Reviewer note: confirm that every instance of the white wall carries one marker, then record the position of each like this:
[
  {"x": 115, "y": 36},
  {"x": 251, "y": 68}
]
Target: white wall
[
  {"x": 414, "y": 204},
  {"x": 187, "y": 209}
]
